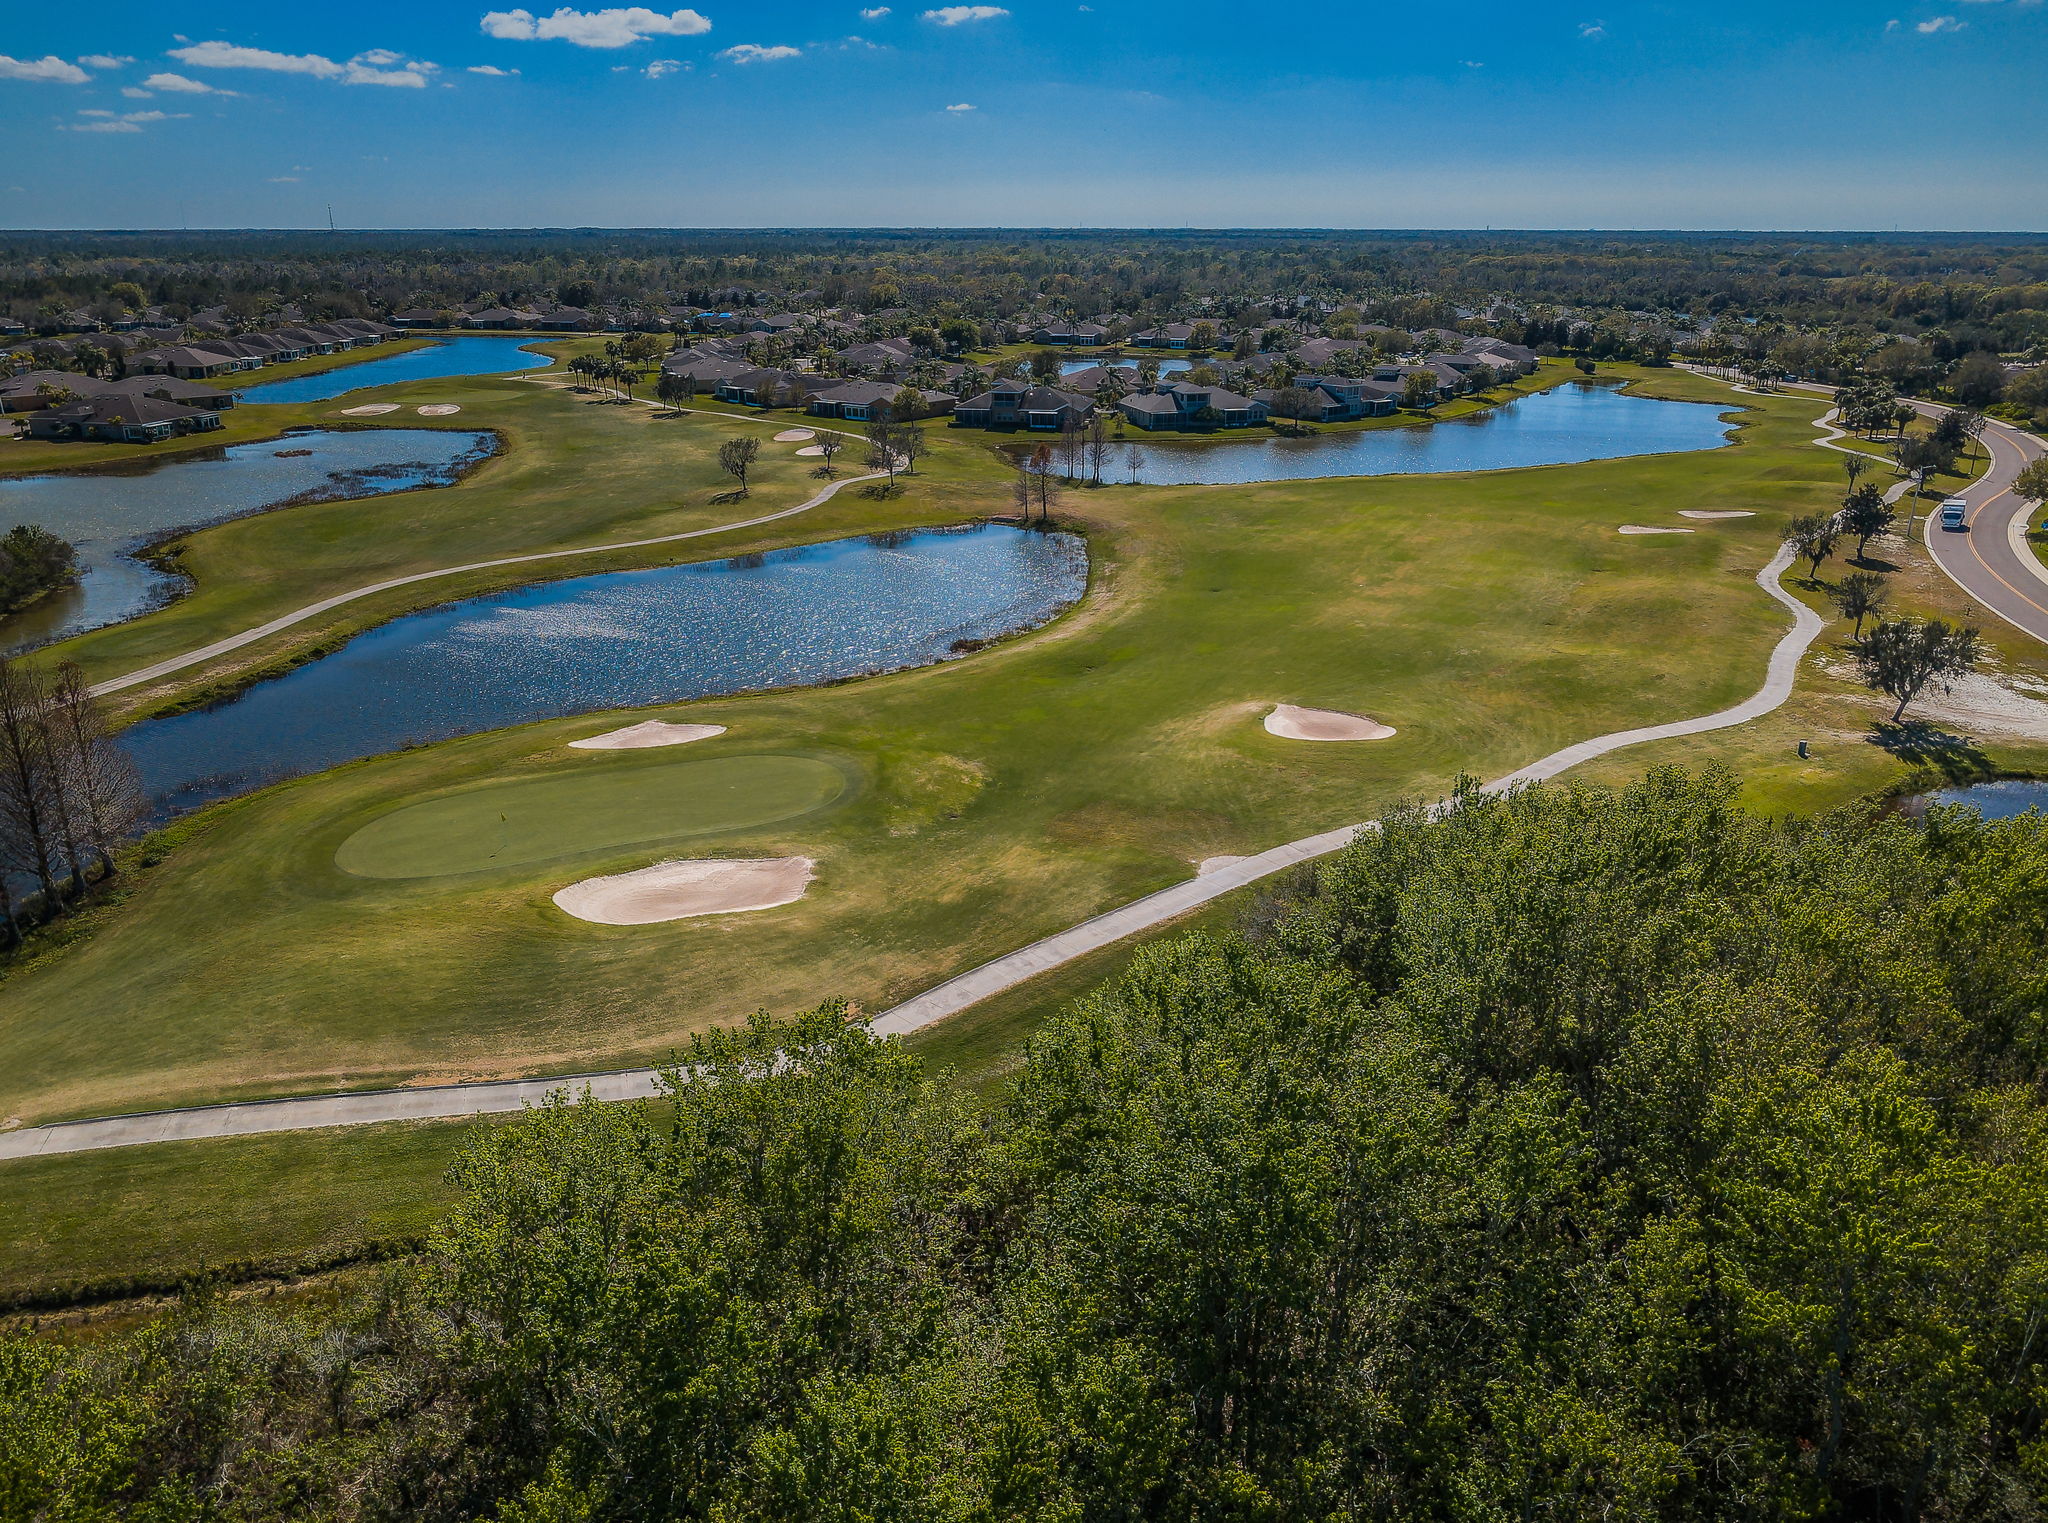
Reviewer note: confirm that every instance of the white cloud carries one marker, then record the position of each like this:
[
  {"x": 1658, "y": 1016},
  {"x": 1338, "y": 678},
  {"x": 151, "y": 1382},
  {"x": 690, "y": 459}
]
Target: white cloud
[
  {"x": 134, "y": 93},
  {"x": 178, "y": 84},
  {"x": 594, "y": 29},
  {"x": 492, "y": 70},
  {"x": 360, "y": 70},
  {"x": 53, "y": 69},
  {"x": 108, "y": 121},
  {"x": 874, "y": 14},
  {"x": 411, "y": 77},
  {"x": 226, "y": 55},
  {"x": 748, "y": 52},
  {"x": 1471, "y": 63},
  {"x": 103, "y": 60},
  {"x": 954, "y": 15},
  {"x": 1593, "y": 31},
  {"x": 284, "y": 179},
  {"x": 963, "y": 106},
  {"x": 1940, "y": 24},
  {"x": 663, "y": 66}
]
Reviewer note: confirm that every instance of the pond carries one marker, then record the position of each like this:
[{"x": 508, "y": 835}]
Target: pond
[
  {"x": 2000, "y": 800},
  {"x": 453, "y": 356},
  {"x": 1132, "y": 361},
  {"x": 110, "y": 512},
  {"x": 789, "y": 618},
  {"x": 1562, "y": 426}
]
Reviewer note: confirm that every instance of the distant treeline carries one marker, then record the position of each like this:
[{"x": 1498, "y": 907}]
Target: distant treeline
[
  {"x": 1574, "y": 1155},
  {"x": 1988, "y": 291}
]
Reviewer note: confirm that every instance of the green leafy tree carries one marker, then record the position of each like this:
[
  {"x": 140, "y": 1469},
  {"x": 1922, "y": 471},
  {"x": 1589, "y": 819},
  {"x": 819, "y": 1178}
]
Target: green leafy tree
[
  {"x": 1866, "y": 515},
  {"x": 1813, "y": 536},
  {"x": 1860, "y": 595},
  {"x": 736, "y": 458},
  {"x": 1900, "y": 658}
]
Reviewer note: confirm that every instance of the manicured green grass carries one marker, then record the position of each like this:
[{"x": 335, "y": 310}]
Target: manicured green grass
[
  {"x": 1491, "y": 618},
  {"x": 611, "y": 800}
]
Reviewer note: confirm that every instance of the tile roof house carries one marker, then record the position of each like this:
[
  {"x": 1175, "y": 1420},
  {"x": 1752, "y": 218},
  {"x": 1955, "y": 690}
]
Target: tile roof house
[
  {"x": 1184, "y": 405},
  {"x": 1091, "y": 381},
  {"x": 502, "y": 317},
  {"x": 121, "y": 418},
  {"x": 416, "y": 317},
  {"x": 1339, "y": 399},
  {"x": 1019, "y": 404},
  {"x": 190, "y": 363}
]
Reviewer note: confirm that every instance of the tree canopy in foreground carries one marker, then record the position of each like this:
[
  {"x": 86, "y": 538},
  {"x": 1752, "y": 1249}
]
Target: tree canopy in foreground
[{"x": 1577, "y": 1154}]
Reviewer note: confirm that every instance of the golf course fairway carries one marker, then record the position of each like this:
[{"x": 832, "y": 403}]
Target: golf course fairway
[{"x": 546, "y": 819}]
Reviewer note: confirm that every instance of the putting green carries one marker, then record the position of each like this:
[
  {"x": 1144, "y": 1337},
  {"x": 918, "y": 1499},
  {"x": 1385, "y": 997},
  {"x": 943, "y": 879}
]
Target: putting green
[{"x": 517, "y": 824}]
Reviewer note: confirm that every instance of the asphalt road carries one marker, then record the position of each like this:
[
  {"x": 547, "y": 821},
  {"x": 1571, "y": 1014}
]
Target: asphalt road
[{"x": 1990, "y": 559}]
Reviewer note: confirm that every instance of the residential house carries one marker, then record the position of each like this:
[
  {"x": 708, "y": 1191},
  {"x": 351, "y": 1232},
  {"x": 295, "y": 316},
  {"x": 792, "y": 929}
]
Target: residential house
[
  {"x": 121, "y": 418},
  {"x": 570, "y": 320},
  {"x": 1020, "y": 404},
  {"x": 1069, "y": 333},
  {"x": 502, "y": 317},
  {"x": 1165, "y": 336},
  {"x": 1184, "y": 405},
  {"x": 1090, "y": 382},
  {"x": 891, "y": 356},
  {"x": 860, "y": 401},
  {"x": 1338, "y": 398},
  {"x": 189, "y": 363},
  {"x": 1503, "y": 356},
  {"x": 416, "y": 317}
]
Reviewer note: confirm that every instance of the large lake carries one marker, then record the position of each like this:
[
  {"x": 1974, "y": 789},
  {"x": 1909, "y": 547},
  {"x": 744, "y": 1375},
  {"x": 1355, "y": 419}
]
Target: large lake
[
  {"x": 789, "y": 618},
  {"x": 1565, "y": 425},
  {"x": 452, "y": 356},
  {"x": 109, "y": 512}
]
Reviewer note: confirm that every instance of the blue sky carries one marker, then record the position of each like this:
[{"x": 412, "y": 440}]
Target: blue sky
[{"x": 1207, "y": 113}]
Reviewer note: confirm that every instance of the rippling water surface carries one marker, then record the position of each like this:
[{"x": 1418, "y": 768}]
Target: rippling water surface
[
  {"x": 789, "y": 618},
  {"x": 453, "y": 356},
  {"x": 1562, "y": 426},
  {"x": 108, "y": 512}
]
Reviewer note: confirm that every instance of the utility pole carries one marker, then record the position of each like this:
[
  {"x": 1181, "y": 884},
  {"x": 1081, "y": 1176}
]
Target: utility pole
[{"x": 330, "y": 216}]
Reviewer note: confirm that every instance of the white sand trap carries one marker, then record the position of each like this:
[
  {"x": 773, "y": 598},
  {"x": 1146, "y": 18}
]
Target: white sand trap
[
  {"x": 439, "y": 409},
  {"x": 369, "y": 410},
  {"x": 1291, "y": 723},
  {"x": 1715, "y": 513},
  {"x": 1646, "y": 529},
  {"x": 677, "y": 890},
  {"x": 648, "y": 733},
  {"x": 795, "y": 436},
  {"x": 810, "y": 449},
  {"x": 1210, "y": 865}
]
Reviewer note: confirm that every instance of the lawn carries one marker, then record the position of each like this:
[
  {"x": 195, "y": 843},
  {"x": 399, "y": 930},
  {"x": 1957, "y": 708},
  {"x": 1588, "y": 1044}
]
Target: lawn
[{"x": 1491, "y": 618}]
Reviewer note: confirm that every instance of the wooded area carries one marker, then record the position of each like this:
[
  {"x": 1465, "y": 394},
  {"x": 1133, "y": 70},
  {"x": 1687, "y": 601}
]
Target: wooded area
[{"x": 1573, "y": 1154}]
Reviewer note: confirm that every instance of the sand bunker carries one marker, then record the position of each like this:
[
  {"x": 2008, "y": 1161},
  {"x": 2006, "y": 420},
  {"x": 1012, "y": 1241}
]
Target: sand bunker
[
  {"x": 678, "y": 890},
  {"x": 1715, "y": 513},
  {"x": 369, "y": 410},
  {"x": 1646, "y": 529},
  {"x": 795, "y": 436},
  {"x": 648, "y": 733},
  {"x": 438, "y": 409},
  {"x": 1210, "y": 865},
  {"x": 1291, "y": 723},
  {"x": 810, "y": 449}
]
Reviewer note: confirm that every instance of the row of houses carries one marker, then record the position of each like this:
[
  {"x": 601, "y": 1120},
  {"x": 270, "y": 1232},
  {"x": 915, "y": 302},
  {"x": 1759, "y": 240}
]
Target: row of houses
[{"x": 138, "y": 409}]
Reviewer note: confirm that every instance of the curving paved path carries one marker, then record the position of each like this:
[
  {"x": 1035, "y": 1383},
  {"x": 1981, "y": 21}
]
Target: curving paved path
[
  {"x": 312, "y": 610},
  {"x": 949, "y": 998}
]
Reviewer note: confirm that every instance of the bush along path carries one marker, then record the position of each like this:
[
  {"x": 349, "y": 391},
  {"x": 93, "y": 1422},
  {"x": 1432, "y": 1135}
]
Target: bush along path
[{"x": 936, "y": 1004}]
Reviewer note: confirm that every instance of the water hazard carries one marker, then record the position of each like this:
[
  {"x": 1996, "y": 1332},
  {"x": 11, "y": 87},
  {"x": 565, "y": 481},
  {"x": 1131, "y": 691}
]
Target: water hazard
[
  {"x": 110, "y": 512},
  {"x": 789, "y": 618},
  {"x": 450, "y": 357}
]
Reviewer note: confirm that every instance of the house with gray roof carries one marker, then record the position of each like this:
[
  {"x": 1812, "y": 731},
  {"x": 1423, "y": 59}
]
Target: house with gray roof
[
  {"x": 121, "y": 418},
  {"x": 1184, "y": 405},
  {"x": 1010, "y": 404}
]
